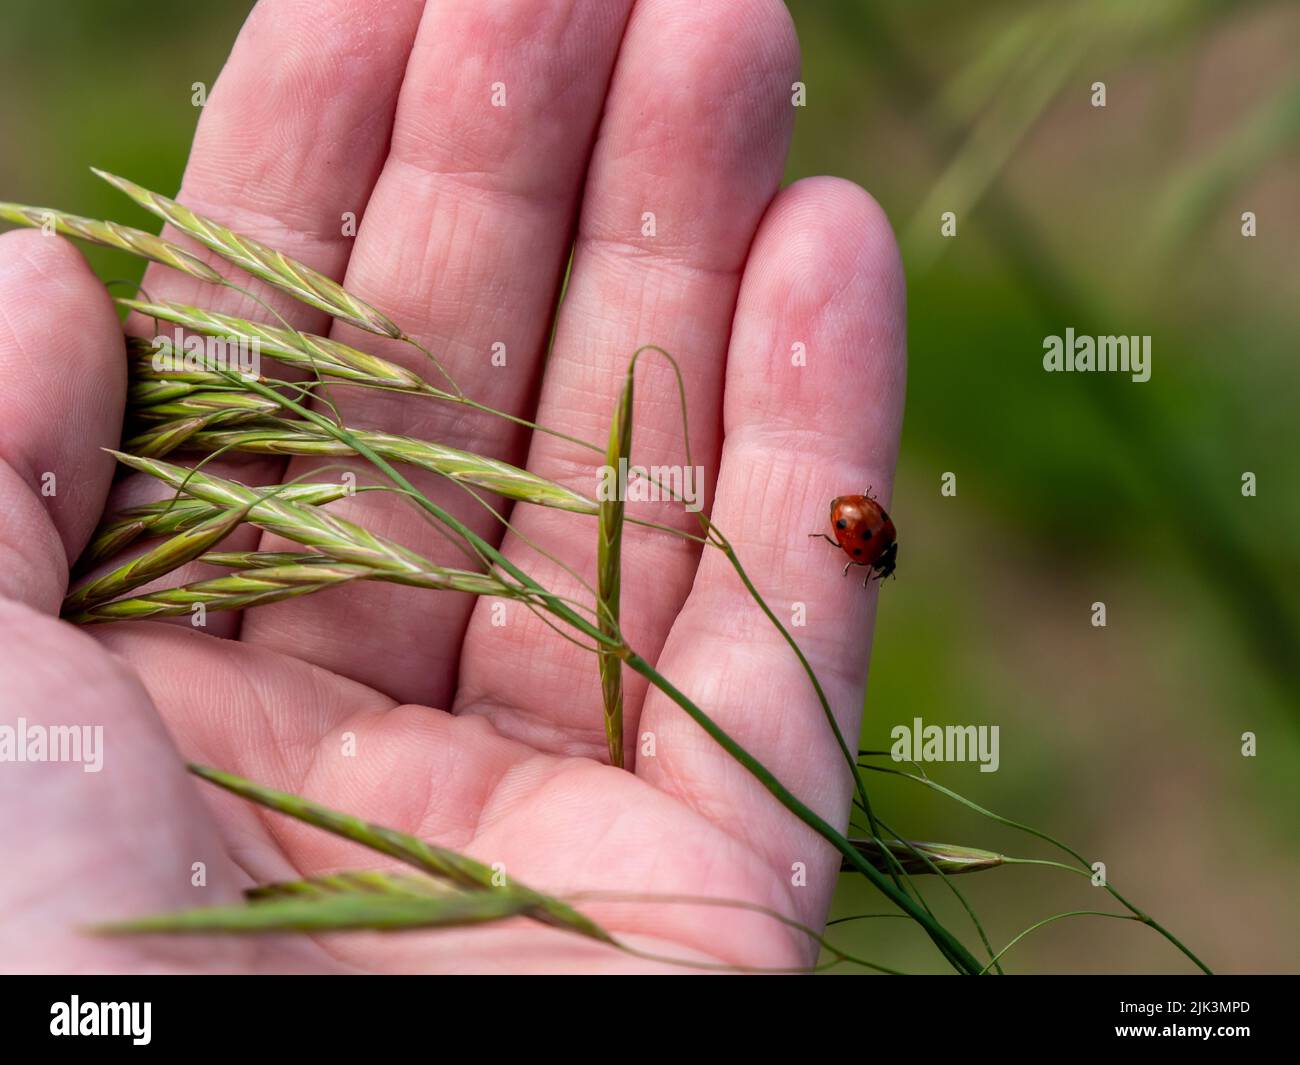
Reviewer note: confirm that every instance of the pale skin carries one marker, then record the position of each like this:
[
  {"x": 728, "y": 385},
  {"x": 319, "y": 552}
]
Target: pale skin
[{"x": 481, "y": 737}]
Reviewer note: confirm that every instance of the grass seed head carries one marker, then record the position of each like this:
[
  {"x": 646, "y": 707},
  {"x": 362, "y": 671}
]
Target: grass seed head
[
  {"x": 265, "y": 263},
  {"x": 112, "y": 235}
]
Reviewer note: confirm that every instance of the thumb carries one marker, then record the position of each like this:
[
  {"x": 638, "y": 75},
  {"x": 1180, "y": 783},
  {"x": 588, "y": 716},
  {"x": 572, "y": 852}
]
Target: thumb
[{"x": 64, "y": 374}]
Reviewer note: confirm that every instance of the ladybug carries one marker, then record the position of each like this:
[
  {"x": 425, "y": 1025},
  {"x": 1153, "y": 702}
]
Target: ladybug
[{"x": 865, "y": 533}]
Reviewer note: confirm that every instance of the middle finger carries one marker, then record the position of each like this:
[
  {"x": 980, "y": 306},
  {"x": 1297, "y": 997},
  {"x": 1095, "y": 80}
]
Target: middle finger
[{"x": 463, "y": 244}]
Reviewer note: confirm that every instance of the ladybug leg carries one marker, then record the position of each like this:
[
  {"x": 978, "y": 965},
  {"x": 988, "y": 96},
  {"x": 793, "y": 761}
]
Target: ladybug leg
[
  {"x": 826, "y": 538},
  {"x": 847, "y": 566}
]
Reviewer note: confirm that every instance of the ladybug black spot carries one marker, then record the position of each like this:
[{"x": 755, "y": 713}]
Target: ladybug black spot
[
  {"x": 866, "y": 535},
  {"x": 841, "y": 524},
  {"x": 884, "y": 515},
  {"x": 857, "y": 550}
]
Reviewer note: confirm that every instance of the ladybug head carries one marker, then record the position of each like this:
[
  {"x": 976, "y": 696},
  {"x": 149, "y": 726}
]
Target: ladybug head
[{"x": 887, "y": 562}]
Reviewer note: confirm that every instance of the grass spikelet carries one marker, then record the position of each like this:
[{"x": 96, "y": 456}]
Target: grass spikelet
[
  {"x": 609, "y": 571},
  {"x": 177, "y": 513},
  {"x": 377, "y": 881},
  {"x": 162, "y": 439},
  {"x": 272, "y": 576},
  {"x": 147, "y": 393},
  {"x": 199, "y": 402},
  {"x": 303, "y": 438},
  {"x": 266, "y": 264},
  {"x": 340, "y": 539},
  {"x": 182, "y": 548},
  {"x": 457, "y": 869},
  {"x": 337, "y": 911},
  {"x": 332, "y": 358},
  {"x": 946, "y": 858},
  {"x": 140, "y": 352},
  {"x": 112, "y": 235},
  {"x": 262, "y": 559},
  {"x": 256, "y": 586}
]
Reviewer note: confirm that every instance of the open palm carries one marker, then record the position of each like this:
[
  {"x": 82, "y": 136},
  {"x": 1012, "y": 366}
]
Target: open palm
[{"x": 473, "y": 142}]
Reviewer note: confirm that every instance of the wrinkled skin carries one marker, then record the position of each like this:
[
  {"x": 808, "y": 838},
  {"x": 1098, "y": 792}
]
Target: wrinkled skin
[{"x": 485, "y": 738}]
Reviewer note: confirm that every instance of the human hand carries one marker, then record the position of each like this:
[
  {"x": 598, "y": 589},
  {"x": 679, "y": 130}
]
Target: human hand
[{"x": 487, "y": 739}]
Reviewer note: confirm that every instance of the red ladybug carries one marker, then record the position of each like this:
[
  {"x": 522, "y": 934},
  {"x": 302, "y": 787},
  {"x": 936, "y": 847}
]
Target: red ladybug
[{"x": 865, "y": 533}]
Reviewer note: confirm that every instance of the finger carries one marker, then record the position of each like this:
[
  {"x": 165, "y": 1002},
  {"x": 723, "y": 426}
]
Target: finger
[
  {"x": 824, "y": 272},
  {"x": 464, "y": 245},
  {"x": 695, "y": 134},
  {"x": 62, "y": 362},
  {"x": 101, "y": 826},
  {"x": 293, "y": 135}
]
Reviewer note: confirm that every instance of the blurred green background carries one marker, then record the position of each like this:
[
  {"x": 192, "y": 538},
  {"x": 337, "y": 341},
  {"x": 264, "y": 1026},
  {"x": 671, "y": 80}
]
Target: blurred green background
[{"x": 1124, "y": 741}]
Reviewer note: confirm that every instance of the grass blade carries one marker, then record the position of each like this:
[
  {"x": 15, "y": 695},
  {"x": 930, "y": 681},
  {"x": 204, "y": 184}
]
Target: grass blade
[{"x": 1084, "y": 864}]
